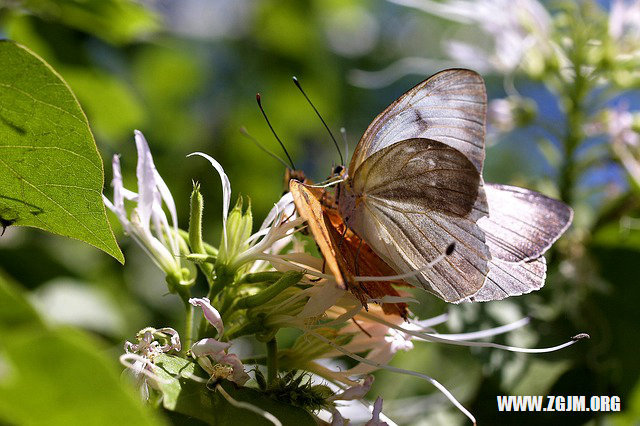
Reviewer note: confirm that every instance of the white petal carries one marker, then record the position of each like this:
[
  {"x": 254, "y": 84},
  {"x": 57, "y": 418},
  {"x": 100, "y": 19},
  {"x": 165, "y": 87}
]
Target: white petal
[
  {"x": 209, "y": 347},
  {"x": 355, "y": 392},
  {"x": 210, "y": 313},
  {"x": 146, "y": 180},
  {"x": 226, "y": 190},
  {"x": 174, "y": 341},
  {"x": 284, "y": 204},
  {"x": 171, "y": 206},
  {"x": 118, "y": 200}
]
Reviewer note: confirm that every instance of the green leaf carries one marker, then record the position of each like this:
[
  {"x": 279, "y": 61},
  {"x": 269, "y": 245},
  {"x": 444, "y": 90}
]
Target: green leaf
[
  {"x": 184, "y": 395},
  {"x": 50, "y": 169},
  {"x": 58, "y": 376}
]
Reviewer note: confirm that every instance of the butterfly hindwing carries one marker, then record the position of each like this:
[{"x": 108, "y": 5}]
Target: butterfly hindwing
[
  {"x": 522, "y": 224},
  {"x": 511, "y": 279}
]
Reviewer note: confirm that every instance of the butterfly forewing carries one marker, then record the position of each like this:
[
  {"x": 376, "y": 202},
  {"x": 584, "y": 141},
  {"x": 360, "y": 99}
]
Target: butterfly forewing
[
  {"x": 307, "y": 203},
  {"x": 449, "y": 107}
]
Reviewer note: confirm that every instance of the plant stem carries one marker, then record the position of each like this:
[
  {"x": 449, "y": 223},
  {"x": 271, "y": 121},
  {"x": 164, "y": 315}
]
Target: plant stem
[
  {"x": 188, "y": 327},
  {"x": 272, "y": 360},
  {"x": 574, "y": 95}
]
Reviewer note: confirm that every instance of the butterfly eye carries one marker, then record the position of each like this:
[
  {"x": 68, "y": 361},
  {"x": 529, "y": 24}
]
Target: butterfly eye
[{"x": 337, "y": 170}]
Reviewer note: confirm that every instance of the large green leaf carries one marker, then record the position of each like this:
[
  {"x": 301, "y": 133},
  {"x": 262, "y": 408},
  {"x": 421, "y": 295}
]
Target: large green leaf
[
  {"x": 58, "y": 376},
  {"x": 51, "y": 174},
  {"x": 184, "y": 395}
]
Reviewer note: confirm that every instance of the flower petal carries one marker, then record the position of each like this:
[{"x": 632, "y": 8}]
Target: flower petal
[
  {"x": 146, "y": 180},
  {"x": 226, "y": 190},
  {"x": 209, "y": 347},
  {"x": 355, "y": 392},
  {"x": 375, "y": 415},
  {"x": 210, "y": 313},
  {"x": 174, "y": 341}
]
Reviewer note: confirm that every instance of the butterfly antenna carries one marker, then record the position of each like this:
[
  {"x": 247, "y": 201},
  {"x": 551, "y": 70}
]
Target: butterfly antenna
[
  {"x": 246, "y": 134},
  {"x": 264, "y": 114},
  {"x": 335, "y": 142}
]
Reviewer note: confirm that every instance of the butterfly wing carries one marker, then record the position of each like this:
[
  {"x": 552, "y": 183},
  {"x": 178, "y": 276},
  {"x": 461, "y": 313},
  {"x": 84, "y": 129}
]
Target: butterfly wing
[
  {"x": 511, "y": 279},
  {"x": 307, "y": 201},
  {"x": 521, "y": 226},
  {"x": 448, "y": 107},
  {"x": 410, "y": 201}
]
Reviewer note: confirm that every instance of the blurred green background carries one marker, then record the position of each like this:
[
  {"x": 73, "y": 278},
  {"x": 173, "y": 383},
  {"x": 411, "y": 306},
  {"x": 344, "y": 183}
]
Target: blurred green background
[{"x": 186, "y": 73}]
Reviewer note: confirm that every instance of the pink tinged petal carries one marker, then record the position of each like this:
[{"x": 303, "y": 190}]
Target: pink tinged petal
[
  {"x": 130, "y": 347},
  {"x": 380, "y": 356},
  {"x": 209, "y": 347},
  {"x": 210, "y": 313},
  {"x": 239, "y": 376},
  {"x": 375, "y": 418},
  {"x": 336, "y": 418},
  {"x": 226, "y": 190},
  {"x": 174, "y": 340},
  {"x": 146, "y": 180},
  {"x": 355, "y": 392}
]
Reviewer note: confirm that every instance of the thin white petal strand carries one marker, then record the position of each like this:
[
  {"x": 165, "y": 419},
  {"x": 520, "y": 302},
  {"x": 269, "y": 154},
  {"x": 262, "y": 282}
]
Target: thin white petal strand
[{"x": 226, "y": 189}]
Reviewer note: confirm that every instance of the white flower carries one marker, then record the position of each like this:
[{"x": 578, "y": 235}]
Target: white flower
[
  {"x": 139, "y": 357},
  {"x": 624, "y": 21},
  {"x": 518, "y": 28},
  {"x": 147, "y": 223},
  {"x": 625, "y": 140},
  {"x": 212, "y": 354}
]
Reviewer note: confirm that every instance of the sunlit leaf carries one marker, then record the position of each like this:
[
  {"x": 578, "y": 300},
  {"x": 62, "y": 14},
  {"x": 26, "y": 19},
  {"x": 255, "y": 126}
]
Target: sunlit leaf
[{"x": 50, "y": 169}]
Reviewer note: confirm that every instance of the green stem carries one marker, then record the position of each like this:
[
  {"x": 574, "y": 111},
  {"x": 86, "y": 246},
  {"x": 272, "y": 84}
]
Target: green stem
[
  {"x": 272, "y": 361},
  {"x": 575, "y": 95},
  {"x": 188, "y": 327}
]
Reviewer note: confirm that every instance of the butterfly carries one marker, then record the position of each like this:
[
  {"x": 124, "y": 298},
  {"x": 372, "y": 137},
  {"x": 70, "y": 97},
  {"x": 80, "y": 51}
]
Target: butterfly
[{"x": 414, "y": 185}]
